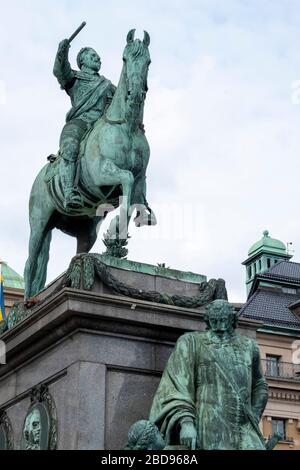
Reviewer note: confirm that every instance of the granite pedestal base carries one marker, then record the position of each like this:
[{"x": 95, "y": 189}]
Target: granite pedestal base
[{"x": 101, "y": 356}]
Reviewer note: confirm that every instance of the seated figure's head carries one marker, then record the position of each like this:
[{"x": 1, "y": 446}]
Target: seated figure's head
[
  {"x": 220, "y": 317},
  {"x": 144, "y": 435},
  {"x": 89, "y": 58}
]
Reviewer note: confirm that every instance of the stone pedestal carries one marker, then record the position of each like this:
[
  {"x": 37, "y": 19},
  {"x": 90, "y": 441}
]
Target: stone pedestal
[{"x": 101, "y": 355}]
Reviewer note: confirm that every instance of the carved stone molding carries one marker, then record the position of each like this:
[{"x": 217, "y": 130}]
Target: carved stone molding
[
  {"x": 6, "y": 432},
  {"x": 81, "y": 275},
  {"x": 284, "y": 395},
  {"x": 40, "y": 424}
]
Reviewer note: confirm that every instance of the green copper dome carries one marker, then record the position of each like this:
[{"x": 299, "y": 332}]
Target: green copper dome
[
  {"x": 11, "y": 279},
  {"x": 266, "y": 243}
]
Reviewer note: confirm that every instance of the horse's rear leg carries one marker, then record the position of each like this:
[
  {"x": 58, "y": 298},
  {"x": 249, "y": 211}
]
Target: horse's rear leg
[
  {"x": 36, "y": 265},
  {"x": 42, "y": 263},
  {"x": 35, "y": 243}
]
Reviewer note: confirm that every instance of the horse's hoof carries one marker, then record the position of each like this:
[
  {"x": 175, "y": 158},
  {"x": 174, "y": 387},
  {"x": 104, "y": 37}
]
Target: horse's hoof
[
  {"x": 145, "y": 219},
  {"x": 31, "y": 302}
]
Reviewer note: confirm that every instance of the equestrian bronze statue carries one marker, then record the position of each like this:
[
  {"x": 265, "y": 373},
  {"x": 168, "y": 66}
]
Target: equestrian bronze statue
[{"x": 102, "y": 161}]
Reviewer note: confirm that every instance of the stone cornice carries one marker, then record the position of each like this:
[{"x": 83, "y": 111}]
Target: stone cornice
[
  {"x": 286, "y": 395},
  {"x": 70, "y": 310}
]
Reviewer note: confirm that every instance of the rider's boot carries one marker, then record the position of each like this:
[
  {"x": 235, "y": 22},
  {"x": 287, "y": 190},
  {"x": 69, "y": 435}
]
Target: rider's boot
[{"x": 73, "y": 198}]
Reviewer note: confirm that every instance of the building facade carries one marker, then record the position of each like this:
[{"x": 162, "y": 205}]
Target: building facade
[{"x": 274, "y": 299}]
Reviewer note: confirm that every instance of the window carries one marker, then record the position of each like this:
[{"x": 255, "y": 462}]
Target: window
[
  {"x": 273, "y": 365},
  {"x": 259, "y": 265},
  {"x": 279, "y": 427},
  {"x": 268, "y": 263},
  {"x": 249, "y": 272},
  {"x": 254, "y": 266}
]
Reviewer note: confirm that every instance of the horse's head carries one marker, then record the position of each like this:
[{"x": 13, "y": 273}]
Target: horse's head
[{"x": 136, "y": 59}]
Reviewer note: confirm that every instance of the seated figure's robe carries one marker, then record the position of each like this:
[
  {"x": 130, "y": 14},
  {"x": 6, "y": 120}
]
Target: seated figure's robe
[{"x": 217, "y": 382}]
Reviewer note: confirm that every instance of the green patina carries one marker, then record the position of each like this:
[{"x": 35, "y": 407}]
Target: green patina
[
  {"x": 266, "y": 243},
  {"x": 75, "y": 192},
  {"x": 11, "y": 279},
  {"x": 144, "y": 435},
  {"x": 153, "y": 270},
  {"x": 263, "y": 255},
  {"x": 213, "y": 392},
  {"x": 84, "y": 269}
]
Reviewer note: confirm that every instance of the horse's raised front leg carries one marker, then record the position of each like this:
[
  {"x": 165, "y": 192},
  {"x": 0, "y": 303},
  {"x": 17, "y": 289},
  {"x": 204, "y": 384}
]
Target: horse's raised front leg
[
  {"x": 117, "y": 233},
  {"x": 145, "y": 215},
  {"x": 125, "y": 203},
  {"x": 114, "y": 176}
]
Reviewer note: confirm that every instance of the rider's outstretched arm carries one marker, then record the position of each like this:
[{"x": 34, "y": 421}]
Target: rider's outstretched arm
[{"x": 62, "y": 68}]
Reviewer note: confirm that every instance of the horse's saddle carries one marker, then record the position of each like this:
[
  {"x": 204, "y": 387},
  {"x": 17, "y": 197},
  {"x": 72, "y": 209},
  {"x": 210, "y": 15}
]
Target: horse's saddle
[
  {"x": 91, "y": 201},
  {"x": 55, "y": 188}
]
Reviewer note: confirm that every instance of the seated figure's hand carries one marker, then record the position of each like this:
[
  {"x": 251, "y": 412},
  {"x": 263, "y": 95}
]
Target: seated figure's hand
[{"x": 188, "y": 435}]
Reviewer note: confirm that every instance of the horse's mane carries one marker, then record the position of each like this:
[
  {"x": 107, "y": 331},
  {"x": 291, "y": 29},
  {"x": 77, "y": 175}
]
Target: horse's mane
[
  {"x": 136, "y": 48},
  {"x": 116, "y": 110}
]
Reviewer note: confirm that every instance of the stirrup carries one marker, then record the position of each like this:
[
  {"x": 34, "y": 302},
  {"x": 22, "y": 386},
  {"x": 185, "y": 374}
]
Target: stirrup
[{"x": 52, "y": 157}]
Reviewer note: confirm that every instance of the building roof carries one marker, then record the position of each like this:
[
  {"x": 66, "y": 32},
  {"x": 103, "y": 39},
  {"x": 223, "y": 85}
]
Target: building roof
[
  {"x": 11, "y": 279},
  {"x": 283, "y": 270},
  {"x": 271, "y": 307},
  {"x": 266, "y": 243}
]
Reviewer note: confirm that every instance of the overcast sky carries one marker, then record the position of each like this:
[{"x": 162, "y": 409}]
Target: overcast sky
[{"x": 221, "y": 116}]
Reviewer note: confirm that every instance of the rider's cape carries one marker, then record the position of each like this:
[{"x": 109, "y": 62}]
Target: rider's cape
[{"x": 89, "y": 94}]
